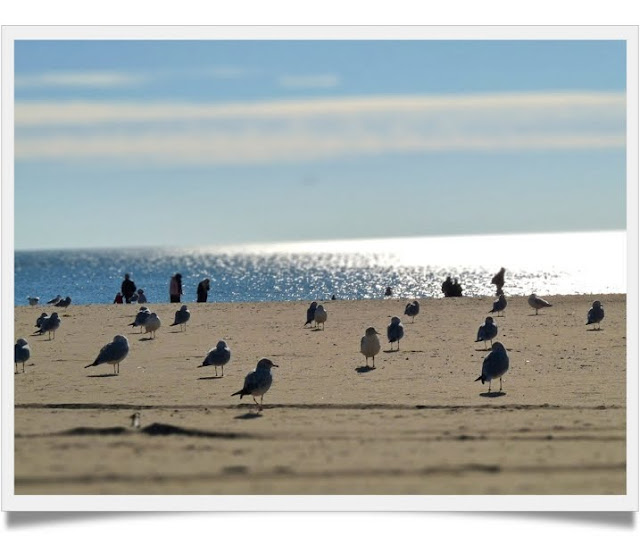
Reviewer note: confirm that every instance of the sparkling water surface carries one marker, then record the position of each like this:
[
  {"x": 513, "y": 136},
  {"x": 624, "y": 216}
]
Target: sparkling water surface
[{"x": 548, "y": 264}]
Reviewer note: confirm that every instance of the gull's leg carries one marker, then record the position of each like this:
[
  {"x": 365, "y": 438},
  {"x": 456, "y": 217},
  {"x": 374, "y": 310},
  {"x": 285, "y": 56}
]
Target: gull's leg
[
  {"x": 23, "y": 366},
  {"x": 500, "y": 383},
  {"x": 374, "y": 361},
  {"x": 261, "y": 397},
  {"x": 16, "y": 364},
  {"x": 489, "y": 385},
  {"x": 222, "y": 367},
  {"x": 216, "y": 370}
]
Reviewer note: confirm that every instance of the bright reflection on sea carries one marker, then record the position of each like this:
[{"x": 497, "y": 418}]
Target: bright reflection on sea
[{"x": 564, "y": 263}]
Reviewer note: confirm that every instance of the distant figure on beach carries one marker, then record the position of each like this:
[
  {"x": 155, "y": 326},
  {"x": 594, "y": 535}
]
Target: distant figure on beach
[
  {"x": 21, "y": 353},
  {"x": 118, "y": 298},
  {"x": 181, "y": 317},
  {"x": 54, "y": 300},
  {"x": 412, "y": 309},
  {"x": 141, "y": 296},
  {"x": 500, "y": 304},
  {"x": 217, "y": 357},
  {"x": 456, "y": 289},
  {"x": 311, "y": 313},
  {"x": 333, "y": 296},
  {"x": 495, "y": 365},
  {"x": 388, "y": 292},
  {"x": 446, "y": 287},
  {"x": 202, "y": 291},
  {"x": 112, "y": 353},
  {"x": 127, "y": 288},
  {"x": 498, "y": 281},
  {"x": 64, "y": 303},
  {"x": 175, "y": 288},
  {"x": 595, "y": 314},
  {"x": 487, "y": 331},
  {"x": 370, "y": 345},
  {"x": 395, "y": 331},
  {"x": 320, "y": 316},
  {"x": 258, "y": 382},
  {"x": 537, "y": 303}
]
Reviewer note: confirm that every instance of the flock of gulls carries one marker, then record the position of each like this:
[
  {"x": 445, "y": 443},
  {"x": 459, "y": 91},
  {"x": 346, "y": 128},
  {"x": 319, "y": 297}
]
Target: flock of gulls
[{"x": 258, "y": 382}]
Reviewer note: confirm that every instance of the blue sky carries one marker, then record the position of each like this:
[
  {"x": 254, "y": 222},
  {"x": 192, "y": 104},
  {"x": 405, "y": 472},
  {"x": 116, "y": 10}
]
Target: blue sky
[{"x": 191, "y": 143}]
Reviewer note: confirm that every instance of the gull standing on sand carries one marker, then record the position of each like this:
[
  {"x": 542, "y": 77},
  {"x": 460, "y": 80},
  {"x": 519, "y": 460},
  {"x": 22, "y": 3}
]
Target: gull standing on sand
[
  {"x": 32, "y": 300},
  {"x": 112, "y": 353},
  {"x": 370, "y": 345},
  {"x": 498, "y": 280},
  {"x": 217, "y": 357},
  {"x": 311, "y": 313},
  {"x": 595, "y": 314},
  {"x": 182, "y": 317},
  {"x": 41, "y": 319},
  {"x": 143, "y": 314},
  {"x": 487, "y": 331},
  {"x": 395, "y": 331},
  {"x": 50, "y": 325},
  {"x": 54, "y": 300},
  {"x": 21, "y": 353},
  {"x": 320, "y": 316},
  {"x": 500, "y": 304},
  {"x": 495, "y": 365},
  {"x": 257, "y": 383},
  {"x": 412, "y": 309},
  {"x": 152, "y": 324},
  {"x": 538, "y": 303},
  {"x": 64, "y": 303}
]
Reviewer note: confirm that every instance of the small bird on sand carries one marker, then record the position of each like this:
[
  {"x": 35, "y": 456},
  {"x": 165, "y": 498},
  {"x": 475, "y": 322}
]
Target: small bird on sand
[
  {"x": 182, "y": 317},
  {"x": 64, "y": 303},
  {"x": 500, "y": 304},
  {"x": 258, "y": 382},
  {"x": 370, "y": 345},
  {"x": 21, "y": 353},
  {"x": 112, "y": 353},
  {"x": 487, "y": 331},
  {"x": 41, "y": 319},
  {"x": 495, "y": 365},
  {"x": 33, "y": 300},
  {"x": 49, "y": 325},
  {"x": 311, "y": 313},
  {"x": 320, "y": 316},
  {"x": 217, "y": 357},
  {"x": 498, "y": 280},
  {"x": 395, "y": 331},
  {"x": 143, "y": 314},
  {"x": 595, "y": 314},
  {"x": 412, "y": 309},
  {"x": 538, "y": 303},
  {"x": 135, "y": 419},
  {"x": 152, "y": 324},
  {"x": 54, "y": 300}
]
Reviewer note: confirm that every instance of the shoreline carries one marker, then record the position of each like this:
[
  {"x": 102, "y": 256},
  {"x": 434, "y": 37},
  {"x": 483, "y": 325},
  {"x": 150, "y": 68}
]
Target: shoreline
[{"x": 418, "y": 423}]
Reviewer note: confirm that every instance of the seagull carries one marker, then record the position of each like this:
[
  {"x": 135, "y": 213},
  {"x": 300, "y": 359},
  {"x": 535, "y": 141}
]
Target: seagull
[
  {"x": 50, "y": 324},
  {"x": 152, "y": 324},
  {"x": 498, "y": 280},
  {"x": 595, "y": 314},
  {"x": 395, "y": 331},
  {"x": 112, "y": 353},
  {"x": 538, "y": 303},
  {"x": 495, "y": 365},
  {"x": 320, "y": 316},
  {"x": 487, "y": 331},
  {"x": 54, "y": 300},
  {"x": 311, "y": 313},
  {"x": 21, "y": 353},
  {"x": 141, "y": 317},
  {"x": 217, "y": 357},
  {"x": 64, "y": 303},
  {"x": 412, "y": 309},
  {"x": 41, "y": 319},
  {"x": 135, "y": 419},
  {"x": 370, "y": 345},
  {"x": 33, "y": 301},
  {"x": 182, "y": 317},
  {"x": 257, "y": 383},
  {"x": 500, "y": 304}
]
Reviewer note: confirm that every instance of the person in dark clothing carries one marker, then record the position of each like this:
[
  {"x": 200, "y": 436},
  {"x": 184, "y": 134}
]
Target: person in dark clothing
[
  {"x": 175, "y": 288},
  {"x": 447, "y": 287},
  {"x": 128, "y": 288},
  {"x": 456, "y": 289},
  {"x": 118, "y": 298},
  {"x": 203, "y": 288}
]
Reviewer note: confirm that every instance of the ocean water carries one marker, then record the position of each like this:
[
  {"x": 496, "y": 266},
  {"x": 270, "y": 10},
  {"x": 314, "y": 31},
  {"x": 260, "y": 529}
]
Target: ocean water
[{"x": 563, "y": 263}]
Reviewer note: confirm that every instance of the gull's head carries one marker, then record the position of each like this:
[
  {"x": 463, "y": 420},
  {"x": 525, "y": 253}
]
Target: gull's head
[
  {"x": 371, "y": 331},
  {"x": 488, "y": 320},
  {"x": 320, "y": 308},
  {"x": 498, "y": 347},
  {"x": 597, "y": 304},
  {"x": 153, "y": 315},
  {"x": 221, "y": 345},
  {"x": 21, "y": 342},
  {"x": 54, "y": 315},
  {"x": 395, "y": 320},
  {"x": 183, "y": 308},
  {"x": 144, "y": 308},
  {"x": 121, "y": 339},
  {"x": 314, "y": 304},
  {"x": 266, "y": 363}
]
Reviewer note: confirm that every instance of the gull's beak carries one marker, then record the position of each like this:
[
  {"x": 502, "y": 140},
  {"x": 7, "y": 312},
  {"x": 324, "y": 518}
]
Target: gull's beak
[
  {"x": 274, "y": 365},
  {"x": 377, "y": 333}
]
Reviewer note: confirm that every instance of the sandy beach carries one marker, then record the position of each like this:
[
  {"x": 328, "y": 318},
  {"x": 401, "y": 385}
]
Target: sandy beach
[{"x": 417, "y": 424}]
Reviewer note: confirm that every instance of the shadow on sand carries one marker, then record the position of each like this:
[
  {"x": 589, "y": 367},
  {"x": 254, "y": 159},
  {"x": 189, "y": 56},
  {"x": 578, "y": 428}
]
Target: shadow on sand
[
  {"x": 390, "y": 351},
  {"x": 495, "y": 394},
  {"x": 247, "y": 416},
  {"x": 211, "y": 378},
  {"x": 112, "y": 375},
  {"x": 366, "y": 368}
]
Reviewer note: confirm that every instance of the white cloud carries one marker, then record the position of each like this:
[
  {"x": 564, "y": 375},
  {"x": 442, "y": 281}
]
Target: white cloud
[
  {"x": 318, "y": 81},
  {"x": 259, "y": 132},
  {"x": 77, "y": 79}
]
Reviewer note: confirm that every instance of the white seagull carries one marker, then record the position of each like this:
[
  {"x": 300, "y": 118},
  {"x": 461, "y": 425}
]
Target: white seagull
[
  {"x": 320, "y": 316},
  {"x": 495, "y": 365},
  {"x": 143, "y": 314},
  {"x": 370, "y": 345},
  {"x": 32, "y": 300},
  {"x": 412, "y": 309},
  {"x": 152, "y": 324},
  {"x": 487, "y": 331},
  {"x": 112, "y": 353},
  {"x": 217, "y": 357},
  {"x": 538, "y": 303},
  {"x": 500, "y": 304},
  {"x": 50, "y": 325},
  {"x": 21, "y": 353},
  {"x": 182, "y": 317},
  {"x": 258, "y": 382},
  {"x": 395, "y": 331}
]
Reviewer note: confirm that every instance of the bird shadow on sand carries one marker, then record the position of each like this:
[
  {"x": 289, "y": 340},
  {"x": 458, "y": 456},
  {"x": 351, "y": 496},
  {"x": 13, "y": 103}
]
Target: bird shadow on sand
[
  {"x": 495, "y": 394},
  {"x": 112, "y": 375},
  {"x": 317, "y": 329},
  {"x": 247, "y": 416},
  {"x": 366, "y": 368},
  {"x": 596, "y": 330},
  {"x": 146, "y": 339},
  {"x": 390, "y": 351},
  {"x": 211, "y": 378}
]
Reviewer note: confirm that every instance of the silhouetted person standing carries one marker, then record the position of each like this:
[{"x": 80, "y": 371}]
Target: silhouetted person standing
[
  {"x": 447, "y": 287},
  {"x": 498, "y": 281},
  {"x": 128, "y": 288},
  {"x": 203, "y": 288},
  {"x": 175, "y": 288}
]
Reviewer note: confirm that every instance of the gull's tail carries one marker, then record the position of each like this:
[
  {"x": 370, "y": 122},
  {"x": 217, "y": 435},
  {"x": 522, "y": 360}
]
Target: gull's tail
[
  {"x": 241, "y": 392},
  {"x": 92, "y": 365},
  {"x": 481, "y": 377}
]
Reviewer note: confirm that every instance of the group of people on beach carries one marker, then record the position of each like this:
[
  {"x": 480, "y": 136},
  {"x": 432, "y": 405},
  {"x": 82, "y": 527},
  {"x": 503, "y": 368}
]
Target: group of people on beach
[{"x": 130, "y": 293}]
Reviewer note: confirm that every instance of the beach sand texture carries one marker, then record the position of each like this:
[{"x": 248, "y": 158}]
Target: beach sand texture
[{"x": 417, "y": 424}]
